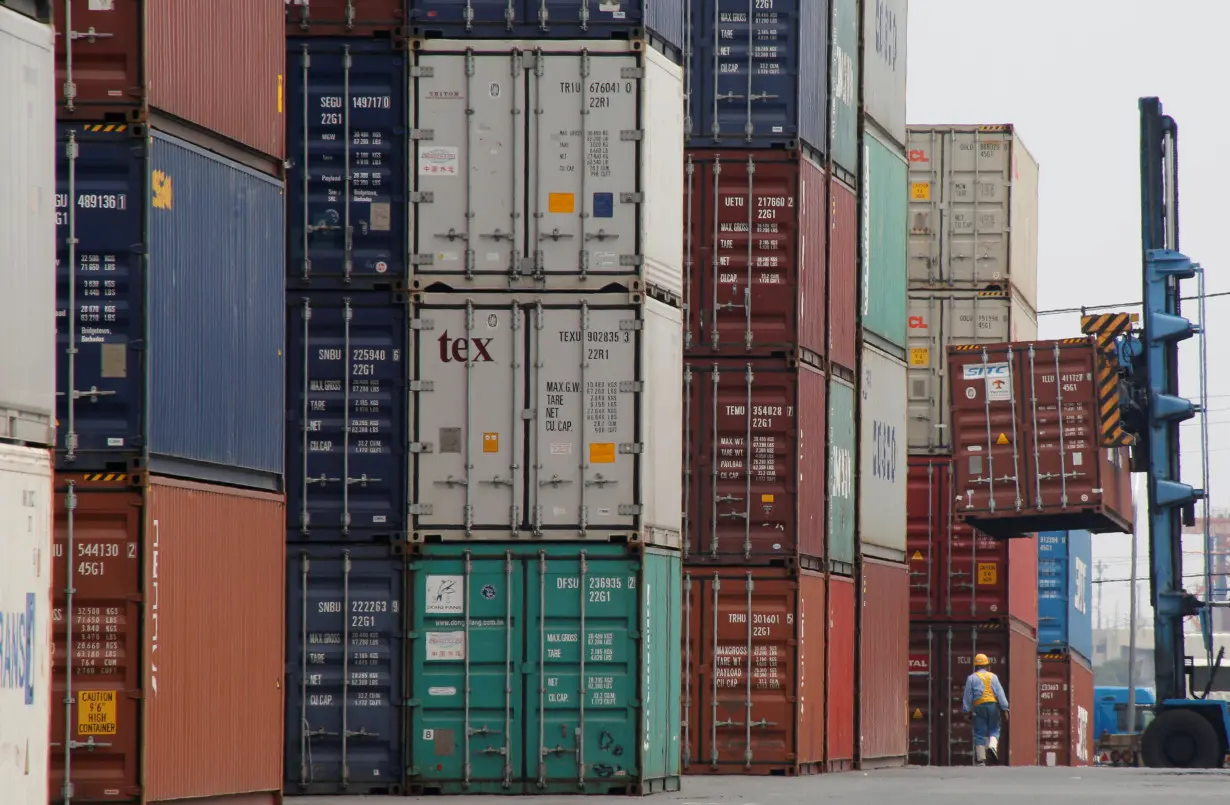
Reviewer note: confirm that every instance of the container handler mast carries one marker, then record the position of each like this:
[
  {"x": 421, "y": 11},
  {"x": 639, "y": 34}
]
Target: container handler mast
[{"x": 1139, "y": 398}]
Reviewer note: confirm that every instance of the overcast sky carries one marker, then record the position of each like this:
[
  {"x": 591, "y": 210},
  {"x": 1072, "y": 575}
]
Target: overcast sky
[{"x": 1068, "y": 75}]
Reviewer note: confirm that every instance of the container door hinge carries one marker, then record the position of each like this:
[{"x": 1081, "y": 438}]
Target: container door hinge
[
  {"x": 422, "y": 259},
  {"x": 422, "y": 134},
  {"x": 420, "y": 508},
  {"x": 632, "y": 72},
  {"x": 422, "y": 447},
  {"x": 423, "y": 197},
  {"x": 422, "y": 72},
  {"x": 631, "y": 387},
  {"x": 631, "y": 448},
  {"x": 630, "y": 509},
  {"x": 631, "y": 134},
  {"x": 422, "y": 385},
  {"x": 422, "y": 324},
  {"x": 632, "y": 198}
]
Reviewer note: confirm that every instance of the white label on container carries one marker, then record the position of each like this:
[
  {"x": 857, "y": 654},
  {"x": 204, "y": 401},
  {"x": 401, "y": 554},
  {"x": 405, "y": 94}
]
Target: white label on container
[
  {"x": 446, "y": 646},
  {"x": 445, "y": 595},
  {"x": 115, "y": 441},
  {"x": 605, "y": 259},
  {"x": 102, "y": 5},
  {"x": 999, "y": 389},
  {"x": 1077, "y": 459},
  {"x": 438, "y": 160},
  {"x": 561, "y": 448},
  {"x": 442, "y": 691}
]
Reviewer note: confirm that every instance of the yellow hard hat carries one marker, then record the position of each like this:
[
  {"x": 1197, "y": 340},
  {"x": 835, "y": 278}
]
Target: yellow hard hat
[{"x": 981, "y": 659}]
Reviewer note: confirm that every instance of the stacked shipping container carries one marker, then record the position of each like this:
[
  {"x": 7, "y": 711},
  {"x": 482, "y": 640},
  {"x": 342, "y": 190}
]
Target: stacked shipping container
[
  {"x": 972, "y": 277},
  {"x": 169, "y": 206}
]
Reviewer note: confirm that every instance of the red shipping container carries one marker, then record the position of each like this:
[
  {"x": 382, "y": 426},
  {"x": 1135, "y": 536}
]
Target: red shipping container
[
  {"x": 1017, "y": 469},
  {"x": 883, "y": 679},
  {"x": 217, "y": 66},
  {"x": 178, "y": 638},
  {"x": 754, "y": 457},
  {"x": 755, "y": 253},
  {"x": 941, "y": 659},
  {"x": 843, "y": 279},
  {"x": 839, "y": 679},
  {"x": 1065, "y": 710},
  {"x": 754, "y": 682},
  {"x": 357, "y": 18},
  {"x": 957, "y": 571}
]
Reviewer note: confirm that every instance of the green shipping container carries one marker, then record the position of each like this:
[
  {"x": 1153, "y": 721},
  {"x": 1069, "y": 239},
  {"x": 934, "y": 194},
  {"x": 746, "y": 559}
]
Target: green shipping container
[
  {"x": 885, "y": 236},
  {"x": 503, "y": 637},
  {"x": 843, "y": 89},
  {"x": 841, "y": 504}
]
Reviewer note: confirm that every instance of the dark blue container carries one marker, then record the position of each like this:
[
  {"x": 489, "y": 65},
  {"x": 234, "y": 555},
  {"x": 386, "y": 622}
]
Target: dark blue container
[
  {"x": 345, "y": 621},
  {"x": 1065, "y": 588},
  {"x": 346, "y": 117},
  {"x": 660, "y": 21},
  {"x": 179, "y": 300},
  {"x": 346, "y": 453},
  {"x": 758, "y": 76}
]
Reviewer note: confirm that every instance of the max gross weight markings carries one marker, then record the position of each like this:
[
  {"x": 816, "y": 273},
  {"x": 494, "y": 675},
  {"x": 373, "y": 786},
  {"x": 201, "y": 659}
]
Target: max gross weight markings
[{"x": 96, "y": 712}]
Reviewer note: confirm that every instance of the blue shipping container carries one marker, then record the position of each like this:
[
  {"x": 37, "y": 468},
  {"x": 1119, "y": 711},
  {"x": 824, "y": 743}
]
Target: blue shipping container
[
  {"x": 662, "y": 20},
  {"x": 345, "y": 615},
  {"x": 178, "y": 299},
  {"x": 346, "y": 141},
  {"x": 1065, "y": 587},
  {"x": 758, "y": 82},
  {"x": 347, "y": 397}
]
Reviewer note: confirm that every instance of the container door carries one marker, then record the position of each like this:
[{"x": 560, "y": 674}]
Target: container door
[
  {"x": 345, "y": 620},
  {"x": 346, "y": 384},
  {"x": 977, "y": 179},
  {"x": 926, "y": 711}
]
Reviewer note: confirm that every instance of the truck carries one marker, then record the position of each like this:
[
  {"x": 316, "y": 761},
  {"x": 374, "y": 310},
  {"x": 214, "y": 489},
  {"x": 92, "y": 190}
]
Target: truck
[{"x": 1116, "y": 735}]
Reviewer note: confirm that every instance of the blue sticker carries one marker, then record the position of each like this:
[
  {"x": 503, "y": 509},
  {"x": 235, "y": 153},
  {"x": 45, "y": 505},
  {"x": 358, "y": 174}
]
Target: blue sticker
[{"x": 604, "y": 205}]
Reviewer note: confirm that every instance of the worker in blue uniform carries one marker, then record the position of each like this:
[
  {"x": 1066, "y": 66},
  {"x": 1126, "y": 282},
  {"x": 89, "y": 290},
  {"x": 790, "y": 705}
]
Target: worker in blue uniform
[{"x": 986, "y": 703}]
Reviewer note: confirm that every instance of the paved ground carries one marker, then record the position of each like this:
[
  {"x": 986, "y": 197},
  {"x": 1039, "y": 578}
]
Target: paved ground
[{"x": 914, "y": 786}]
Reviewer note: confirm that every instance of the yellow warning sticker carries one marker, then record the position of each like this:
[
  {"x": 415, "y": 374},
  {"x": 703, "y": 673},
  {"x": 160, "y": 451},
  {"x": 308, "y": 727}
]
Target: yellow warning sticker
[
  {"x": 561, "y": 202},
  {"x": 491, "y": 442},
  {"x": 917, "y": 713},
  {"x": 766, "y": 498},
  {"x": 920, "y": 191},
  {"x": 602, "y": 453},
  {"x": 920, "y": 356},
  {"x": 1003, "y": 439},
  {"x": 917, "y": 556},
  {"x": 96, "y": 712},
  {"x": 988, "y": 572}
]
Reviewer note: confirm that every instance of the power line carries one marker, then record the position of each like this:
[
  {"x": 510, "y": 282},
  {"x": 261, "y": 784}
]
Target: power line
[{"x": 1091, "y": 308}]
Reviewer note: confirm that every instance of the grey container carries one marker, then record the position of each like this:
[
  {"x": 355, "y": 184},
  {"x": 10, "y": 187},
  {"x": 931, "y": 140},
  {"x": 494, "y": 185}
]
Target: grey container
[
  {"x": 27, "y": 231},
  {"x": 546, "y": 165},
  {"x": 937, "y": 320},
  {"x": 546, "y": 417},
  {"x": 884, "y": 65}
]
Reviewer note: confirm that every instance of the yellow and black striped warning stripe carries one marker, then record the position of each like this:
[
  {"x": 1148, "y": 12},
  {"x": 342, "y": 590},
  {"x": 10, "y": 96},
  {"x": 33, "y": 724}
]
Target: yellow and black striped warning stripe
[
  {"x": 105, "y": 127},
  {"x": 994, "y": 293},
  {"x": 1105, "y": 328},
  {"x": 105, "y": 477},
  {"x": 964, "y": 347}
]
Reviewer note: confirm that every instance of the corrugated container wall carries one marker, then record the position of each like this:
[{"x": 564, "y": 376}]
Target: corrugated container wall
[
  {"x": 1066, "y": 478},
  {"x": 345, "y": 621},
  {"x": 172, "y": 640},
  {"x": 122, "y": 59},
  {"x": 884, "y": 65},
  {"x": 777, "y": 54},
  {"x": 25, "y": 614},
  {"x": 844, "y": 88},
  {"x": 367, "y": 18},
  {"x": 883, "y": 252},
  {"x": 754, "y": 688},
  {"x": 603, "y": 373},
  {"x": 883, "y": 680},
  {"x": 939, "y": 319},
  {"x": 1065, "y": 589},
  {"x": 576, "y": 652},
  {"x": 754, "y": 445},
  {"x": 547, "y": 172},
  {"x": 1065, "y": 711},
  {"x": 882, "y": 458},
  {"x": 755, "y": 253},
  {"x": 1023, "y": 574},
  {"x": 179, "y": 353},
  {"x": 843, "y": 276},
  {"x": 27, "y": 231},
  {"x": 842, "y": 447},
  {"x": 660, "y": 22},
  {"x": 973, "y": 209},
  {"x": 840, "y": 678},
  {"x": 344, "y": 229}
]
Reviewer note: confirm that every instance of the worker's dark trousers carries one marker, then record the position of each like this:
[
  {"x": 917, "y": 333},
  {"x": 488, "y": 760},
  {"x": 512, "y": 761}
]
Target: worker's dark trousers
[{"x": 986, "y": 723}]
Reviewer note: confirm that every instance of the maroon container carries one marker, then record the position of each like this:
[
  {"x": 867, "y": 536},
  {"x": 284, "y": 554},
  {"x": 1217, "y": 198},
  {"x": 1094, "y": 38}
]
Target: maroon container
[
  {"x": 941, "y": 659},
  {"x": 216, "y": 66},
  {"x": 883, "y": 680},
  {"x": 753, "y": 671},
  {"x": 1017, "y": 469},
  {"x": 843, "y": 280},
  {"x": 1065, "y": 710},
  {"x": 755, "y": 220},
  {"x": 774, "y": 513},
  {"x": 358, "y": 18},
  {"x": 839, "y": 679}
]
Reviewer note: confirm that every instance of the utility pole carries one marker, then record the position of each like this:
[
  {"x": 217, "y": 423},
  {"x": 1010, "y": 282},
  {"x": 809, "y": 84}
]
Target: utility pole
[
  {"x": 1101, "y": 567},
  {"x": 1131, "y": 702}
]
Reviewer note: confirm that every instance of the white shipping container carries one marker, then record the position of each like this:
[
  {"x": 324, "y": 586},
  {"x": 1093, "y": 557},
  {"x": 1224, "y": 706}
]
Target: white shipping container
[
  {"x": 973, "y": 210},
  {"x": 937, "y": 321},
  {"x": 27, "y": 230},
  {"x": 550, "y": 416},
  {"x": 25, "y": 623},
  {"x": 882, "y": 456},
  {"x": 546, "y": 165}
]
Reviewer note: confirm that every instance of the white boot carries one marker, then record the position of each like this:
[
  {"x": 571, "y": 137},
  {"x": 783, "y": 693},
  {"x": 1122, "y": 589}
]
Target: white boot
[
  {"x": 993, "y": 749},
  {"x": 980, "y": 756}
]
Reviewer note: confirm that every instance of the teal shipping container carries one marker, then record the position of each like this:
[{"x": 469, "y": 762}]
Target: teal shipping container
[
  {"x": 843, "y": 90},
  {"x": 841, "y": 503},
  {"x": 883, "y": 220},
  {"x": 545, "y": 669}
]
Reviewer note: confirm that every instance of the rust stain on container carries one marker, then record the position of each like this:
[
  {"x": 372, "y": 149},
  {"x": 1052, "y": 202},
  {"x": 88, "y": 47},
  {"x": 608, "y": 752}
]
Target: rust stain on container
[
  {"x": 843, "y": 279},
  {"x": 883, "y": 680},
  {"x": 350, "y": 18},
  {"x": 754, "y": 657},
  {"x": 755, "y": 232},
  {"x": 182, "y": 57},
  {"x": 755, "y": 481},
  {"x": 1065, "y": 710},
  {"x": 1026, "y": 415},
  {"x": 839, "y": 677}
]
